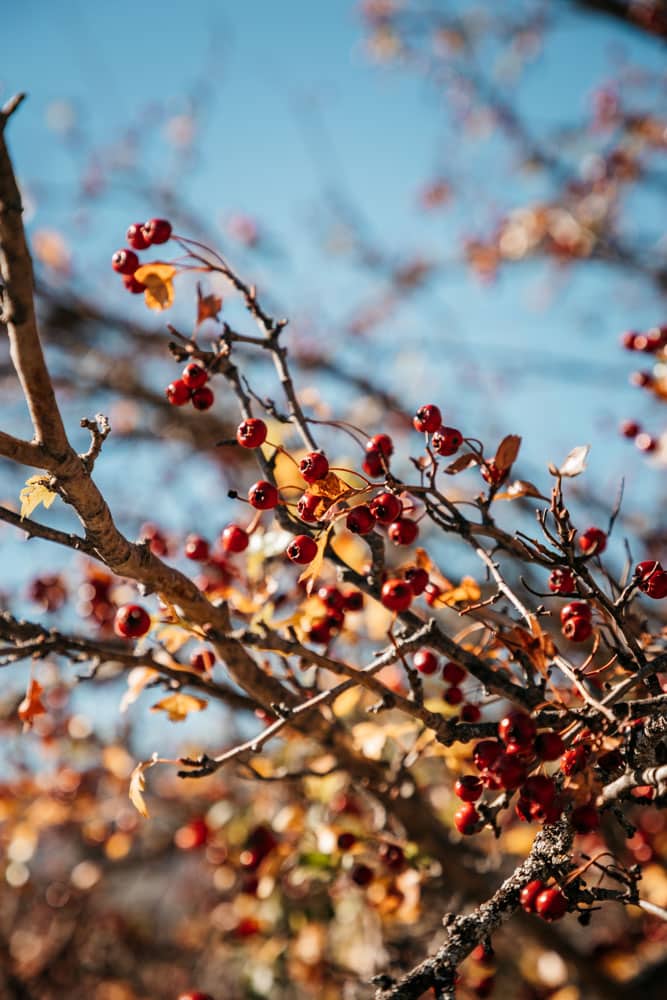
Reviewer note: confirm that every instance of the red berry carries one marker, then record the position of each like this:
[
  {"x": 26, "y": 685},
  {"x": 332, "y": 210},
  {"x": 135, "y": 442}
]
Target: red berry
[
  {"x": 643, "y": 380},
  {"x": 418, "y": 579},
  {"x": 468, "y": 787},
  {"x": 382, "y": 444},
  {"x": 251, "y": 433},
  {"x": 156, "y": 230},
  {"x": 396, "y": 595},
  {"x": 302, "y": 549},
  {"x": 575, "y": 609},
  {"x": 453, "y": 696},
  {"x": 486, "y": 753},
  {"x": 630, "y": 428},
  {"x": 593, "y": 541},
  {"x": 628, "y": 340},
  {"x": 483, "y": 953},
  {"x": 470, "y": 713},
  {"x": 425, "y": 661},
  {"x": 427, "y": 418},
  {"x": 392, "y": 856},
  {"x": 561, "y": 581},
  {"x": 577, "y": 629},
  {"x": 656, "y": 585},
  {"x": 178, "y": 393},
  {"x": 203, "y": 661},
  {"x": 548, "y": 746},
  {"x": 432, "y": 593},
  {"x": 197, "y": 548},
  {"x": 453, "y": 673},
  {"x": 518, "y": 729},
  {"x": 132, "y": 285},
  {"x": 645, "y": 570},
  {"x": 125, "y": 262},
  {"x": 360, "y": 520},
  {"x": 156, "y": 540},
  {"x": 585, "y": 818},
  {"x": 320, "y": 631},
  {"x": 353, "y": 600},
  {"x": 194, "y": 375},
  {"x": 403, "y": 531},
  {"x": 263, "y": 495},
  {"x": 466, "y": 819},
  {"x": 646, "y": 442},
  {"x": 574, "y": 760},
  {"x": 385, "y": 508},
  {"x": 549, "y": 813},
  {"x": 529, "y": 894},
  {"x": 132, "y": 621},
  {"x": 234, "y": 538},
  {"x": 551, "y": 904},
  {"x": 307, "y": 506},
  {"x": 538, "y": 788},
  {"x": 135, "y": 236},
  {"x": 202, "y": 399},
  {"x": 372, "y": 464},
  {"x": 522, "y": 808},
  {"x": 509, "y": 771},
  {"x": 314, "y": 466},
  {"x": 346, "y": 841},
  {"x": 446, "y": 441},
  {"x": 331, "y": 597},
  {"x": 361, "y": 875}
]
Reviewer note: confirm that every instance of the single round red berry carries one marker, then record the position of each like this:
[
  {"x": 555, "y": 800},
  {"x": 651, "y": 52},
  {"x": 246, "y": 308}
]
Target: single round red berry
[
  {"x": 331, "y": 597},
  {"x": 453, "y": 673},
  {"x": 197, "y": 548},
  {"x": 645, "y": 570},
  {"x": 234, "y": 538},
  {"x": 403, "y": 531},
  {"x": 529, "y": 894},
  {"x": 577, "y": 629},
  {"x": 135, "y": 236},
  {"x": 585, "y": 818},
  {"x": 646, "y": 442},
  {"x": 643, "y": 380},
  {"x": 360, "y": 520},
  {"x": 251, "y": 433},
  {"x": 125, "y": 262},
  {"x": 203, "y": 661},
  {"x": 302, "y": 549},
  {"x": 509, "y": 771},
  {"x": 453, "y": 695},
  {"x": 628, "y": 339},
  {"x": 314, "y": 466},
  {"x": 372, "y": 464},
  {"x": 593, "y": 540},
  {"x": 562, "y": 581},
  {"x": 656, "y": 585},
  {"x": 361, "y": 875},
  {"x": 574, "y": 759},
  {"x": 575, "y": 609},
  {"x": 470, "y": 713},
  {"x": 178, "y": 393},
  {"x": 132, "y": 621},
  {"x": 202, "y": 399},
  {"x": 446, "y": 441},
  {"x": 382, "y": 444},
  {"x": 194, "y": 375},
  {"x": 539, "y": 788},
  {"x": 630, "y": 429},
  {"x": 263, "y": 495},
  {"x": 427, "y": 419},
  {"x": 466, "y": 819},
  {"x": 319, "y": 631},
  {"x": 385, "y": 508},
  {"x": 517, "y": 728},
  {"x": 548, "y": 746},
  {"x": 551, "y": 904},
  {"x": 307, "y": 506},
  {"x": 396, "y": 595},
  {"x": 418, "y": 579},
  {"x": 133, "y": 286},
  {"x": 468, "y": 787},
  {"x": 486, "y": 753},
  {"x": 353, "y": 600},
  {"x": 156, "y": 231},
  {"x": 432, "y": 593},
  {"x": 425, "y": 661},
  {"x": 157, "y": 542}
]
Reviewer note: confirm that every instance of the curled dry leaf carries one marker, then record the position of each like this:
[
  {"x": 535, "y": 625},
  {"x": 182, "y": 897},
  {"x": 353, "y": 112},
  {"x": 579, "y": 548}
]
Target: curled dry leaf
[
  {"x": 159, "y": 281},
  {"x": 32, "y": 703},
  {"x": 179, "y": 705},
  {"x": 208, "y": 306},
  {"x": 461, "y": 463},
  {"x": 507, "y": 452},
  {"x": 520, "y": 488},
  {"x": 138, "y": 785},
  {"x": 575, "y": 463}
]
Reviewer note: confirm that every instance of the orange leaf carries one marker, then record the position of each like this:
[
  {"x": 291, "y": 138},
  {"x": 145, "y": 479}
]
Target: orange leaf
[
  {"x": 159, "y": 281},
  {"x": 520, "y": 488},
  {"x": 461, "y": 463},
  {"x": 208, "y": 306},
  {"x": 178, "y": 706},
  {"x": 32, "y": 703}
]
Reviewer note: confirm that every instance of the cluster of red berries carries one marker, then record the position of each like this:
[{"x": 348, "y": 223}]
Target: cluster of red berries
[
  {"x": 576, "y": 621},
  {"x": 453, "y": 674},
  {"x": 651, "y": 342},
  {"x": 652, "y": 579},
  {"x": 94, "y": 597},
  {"x": 335, "y": 605},
  {"x": 140, "y": 236},
  {"x": 550, "y": 903},
  {"x": 49, "y": 591},
  {"x": 445, "y": 441},
  {"x": 654, "y": 341},
  {"x": 633, "y": 431},
  {"x": 191, "y": 388},
  {"x": 384, "y": 510}
]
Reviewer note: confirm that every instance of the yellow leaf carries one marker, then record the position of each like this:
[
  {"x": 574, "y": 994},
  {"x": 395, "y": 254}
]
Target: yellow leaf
[
  {"x": 314, "y": 568},
  {"x": 137, "y": 787},
  {"x": 467, "y": 590},
  {"x": 173, "y": 637},
  {"x": 178, "y": 706},
  {"x": 159, "y": 281},
  {"x": 137, "y": 679},
  {"x": 35, "y": 492}
]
